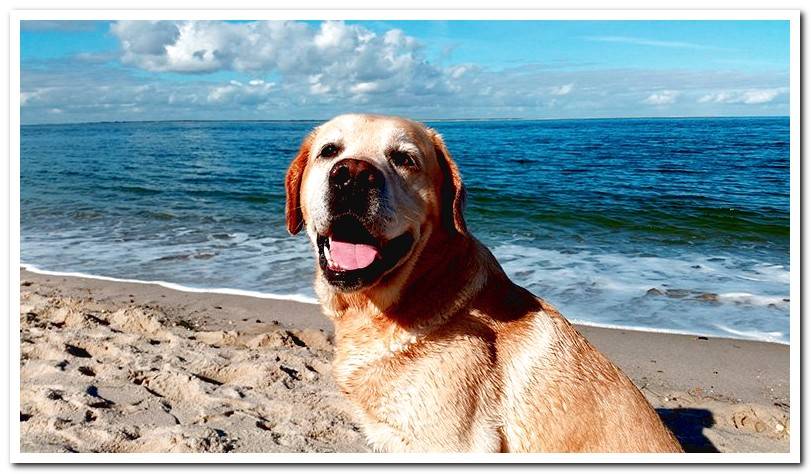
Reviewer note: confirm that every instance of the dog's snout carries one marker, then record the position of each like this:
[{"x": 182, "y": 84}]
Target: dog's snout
[{"x": 358, "y": 175}]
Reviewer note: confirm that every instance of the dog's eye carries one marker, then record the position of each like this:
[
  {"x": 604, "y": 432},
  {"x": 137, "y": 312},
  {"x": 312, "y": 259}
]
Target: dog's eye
[
  {"x": 330, "y": 150},
  {"x": 402, "y": 159}
]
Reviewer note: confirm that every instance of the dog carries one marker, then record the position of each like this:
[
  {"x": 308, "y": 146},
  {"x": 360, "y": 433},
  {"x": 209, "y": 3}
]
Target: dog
[{"x": 435, "y": 347}]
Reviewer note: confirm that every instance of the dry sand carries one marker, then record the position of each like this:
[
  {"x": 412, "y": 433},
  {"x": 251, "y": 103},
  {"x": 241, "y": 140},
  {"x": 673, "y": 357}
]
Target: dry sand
[{"x": 127, "y": 367}]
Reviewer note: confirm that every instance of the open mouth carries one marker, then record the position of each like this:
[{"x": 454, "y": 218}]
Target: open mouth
[{"x": 352, "y": 258}]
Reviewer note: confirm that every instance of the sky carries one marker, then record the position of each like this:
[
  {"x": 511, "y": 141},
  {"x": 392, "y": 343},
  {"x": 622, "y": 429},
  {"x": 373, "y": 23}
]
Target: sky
[{"x": 89, "y": 71}]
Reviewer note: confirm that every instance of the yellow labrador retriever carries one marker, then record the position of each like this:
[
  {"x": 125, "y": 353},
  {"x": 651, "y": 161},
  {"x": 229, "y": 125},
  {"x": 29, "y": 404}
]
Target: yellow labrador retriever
[{"x": 437, "y": 349}]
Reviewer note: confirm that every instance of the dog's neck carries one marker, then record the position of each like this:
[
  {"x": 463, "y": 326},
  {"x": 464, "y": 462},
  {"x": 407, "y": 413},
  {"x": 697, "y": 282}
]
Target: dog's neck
[{"x": 410, "y": 298}]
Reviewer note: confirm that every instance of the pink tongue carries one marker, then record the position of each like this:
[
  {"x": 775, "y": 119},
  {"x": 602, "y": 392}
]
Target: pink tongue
[{"x": 351, "y": 256}]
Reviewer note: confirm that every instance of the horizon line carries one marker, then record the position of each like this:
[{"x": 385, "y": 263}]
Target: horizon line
[{"x": 472, "y": 119}]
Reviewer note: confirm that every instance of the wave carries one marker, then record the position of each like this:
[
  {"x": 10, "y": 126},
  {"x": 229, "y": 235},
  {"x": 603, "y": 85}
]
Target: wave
[
  {"x": 133, "y": 189},
  {"x": 174, "y": 286},
  {"x": 253, "y": 198},
  {"x": 768, "y": 336},
  {"x": 755, "y": 300},
  {"x": 775, "y": 337},
  {"x": 726, "y": 331},
  {"x": 681, "y": 293}
]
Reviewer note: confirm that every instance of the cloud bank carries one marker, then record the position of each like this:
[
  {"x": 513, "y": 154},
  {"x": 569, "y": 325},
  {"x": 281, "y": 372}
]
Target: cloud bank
[
  {"x": 289, "y": 69},
  {"x": 752, "y": 96}
]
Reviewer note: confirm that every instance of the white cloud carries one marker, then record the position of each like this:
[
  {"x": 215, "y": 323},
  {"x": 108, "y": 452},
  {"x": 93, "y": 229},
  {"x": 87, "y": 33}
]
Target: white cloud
[
  {"x": 562, "y": 90},
  {"x": 716, "y": 97},
  {"x": 458, "y": 71},
  {"x": 664, "y": 97},
  {"x": 348, "y": 60},
  {"x": 653, "y": 42},
  {"x": 749, "y": 96},
  {"x": 144, "y": 42},
  {"x": 364, "y": 87},
  {"x": 254, "y": 92},
  {"x": 26, "y": 97},
  {"x": 759, "y": 96}
]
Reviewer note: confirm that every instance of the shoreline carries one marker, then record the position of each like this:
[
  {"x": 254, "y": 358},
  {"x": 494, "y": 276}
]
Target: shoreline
[
  {"x": 313, "y": 301},
  {"x": 194, "y": 351},
  {"x": 174, "y": 286}
]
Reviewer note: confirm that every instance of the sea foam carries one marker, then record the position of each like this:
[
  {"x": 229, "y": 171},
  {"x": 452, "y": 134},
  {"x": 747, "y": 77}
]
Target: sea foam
[{"x": 177, "y": 287}]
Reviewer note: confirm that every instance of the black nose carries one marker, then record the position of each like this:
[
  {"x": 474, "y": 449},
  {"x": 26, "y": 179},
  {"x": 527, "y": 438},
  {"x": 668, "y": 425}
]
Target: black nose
[{"x": 355, "y": 175}]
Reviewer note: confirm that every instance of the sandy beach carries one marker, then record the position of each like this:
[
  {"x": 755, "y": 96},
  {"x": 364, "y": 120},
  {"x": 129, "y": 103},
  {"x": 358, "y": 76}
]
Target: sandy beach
[{"x": 128, "y": 367}]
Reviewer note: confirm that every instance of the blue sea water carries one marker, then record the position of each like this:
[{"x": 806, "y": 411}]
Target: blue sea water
[{"x": 589, "y": 214}]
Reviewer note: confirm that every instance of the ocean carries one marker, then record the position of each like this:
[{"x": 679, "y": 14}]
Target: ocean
[{"x": 676, "y": 225}]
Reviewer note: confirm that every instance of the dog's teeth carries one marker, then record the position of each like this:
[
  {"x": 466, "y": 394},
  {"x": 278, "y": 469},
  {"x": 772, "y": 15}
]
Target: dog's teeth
[{"x": 328, "y": 257}]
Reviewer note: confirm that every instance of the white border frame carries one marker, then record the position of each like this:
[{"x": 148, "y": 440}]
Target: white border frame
[{"x": 793, "y": 16}]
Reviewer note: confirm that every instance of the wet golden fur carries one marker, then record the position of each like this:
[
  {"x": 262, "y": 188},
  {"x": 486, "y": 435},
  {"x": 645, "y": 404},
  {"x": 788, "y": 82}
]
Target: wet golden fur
[{"x": 445, "y": 353}]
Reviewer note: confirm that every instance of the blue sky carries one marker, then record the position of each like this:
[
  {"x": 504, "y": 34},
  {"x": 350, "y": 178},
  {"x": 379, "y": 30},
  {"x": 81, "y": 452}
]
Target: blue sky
[{"x": 209, "y": 70}]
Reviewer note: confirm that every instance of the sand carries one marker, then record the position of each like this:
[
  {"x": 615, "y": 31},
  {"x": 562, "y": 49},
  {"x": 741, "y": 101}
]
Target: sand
[{"x": 128, "y": 367}]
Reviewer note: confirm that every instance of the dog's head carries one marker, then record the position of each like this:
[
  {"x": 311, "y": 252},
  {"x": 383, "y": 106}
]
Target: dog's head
[{"x": 369, "y": 191}]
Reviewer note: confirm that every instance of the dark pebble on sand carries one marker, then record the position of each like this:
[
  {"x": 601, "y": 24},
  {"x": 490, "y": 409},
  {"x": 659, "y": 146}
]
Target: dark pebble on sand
[
  {"x": 185, "y": 324},
  {"x": 86, "y": 371},
  {"x": 55, "y": 395},
  {"x": 77, "y": 351}
]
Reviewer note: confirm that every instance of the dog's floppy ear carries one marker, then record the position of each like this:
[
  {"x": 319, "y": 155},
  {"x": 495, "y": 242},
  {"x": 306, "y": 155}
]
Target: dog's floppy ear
[
  {"x": 295, "y": 219},
  {"x": 453, "y": 191}
]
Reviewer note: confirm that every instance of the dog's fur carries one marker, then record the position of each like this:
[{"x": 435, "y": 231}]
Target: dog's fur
[{"x": 443, "y": 352}]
